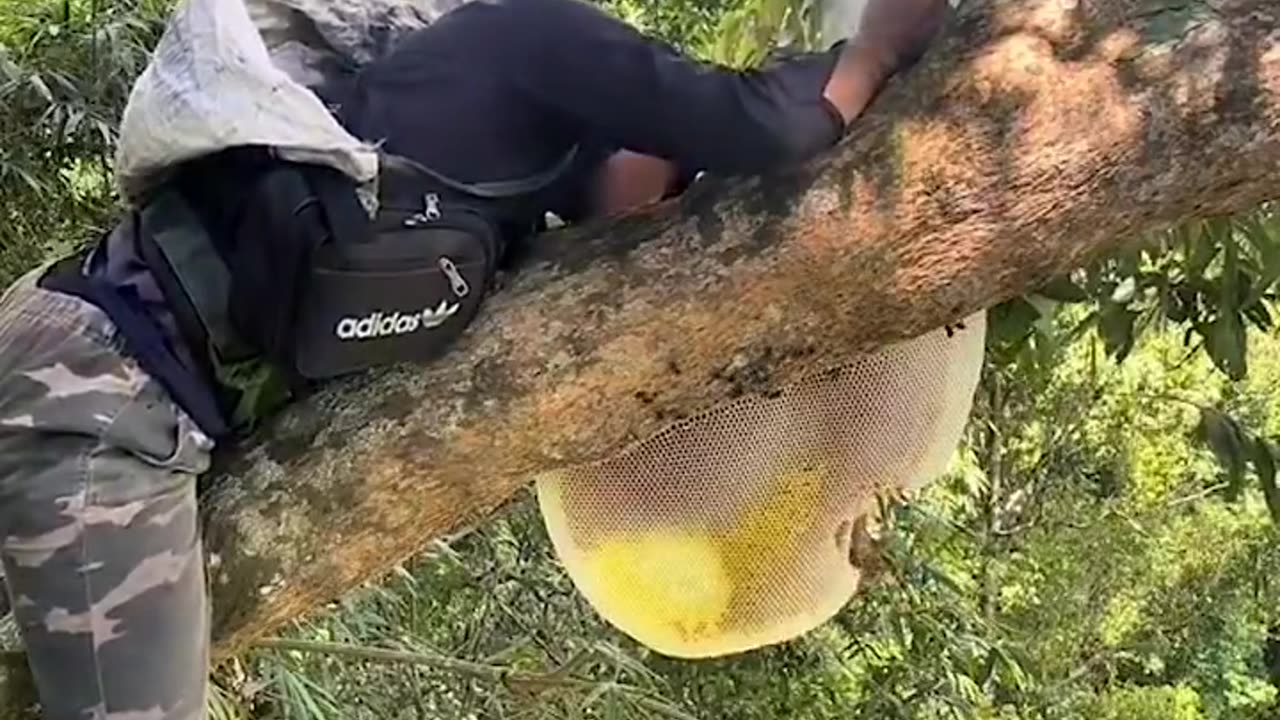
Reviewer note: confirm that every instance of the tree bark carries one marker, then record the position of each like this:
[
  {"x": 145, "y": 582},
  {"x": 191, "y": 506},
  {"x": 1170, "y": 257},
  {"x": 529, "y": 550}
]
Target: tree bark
[{"x": 1037, "y": 135}]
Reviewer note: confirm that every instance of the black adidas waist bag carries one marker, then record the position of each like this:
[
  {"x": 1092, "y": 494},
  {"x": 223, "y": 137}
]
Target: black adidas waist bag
[
  {"x": 400, "y": 286},
  {"x": 316, "y": 285},
  {"x": 401, "y": 289}
]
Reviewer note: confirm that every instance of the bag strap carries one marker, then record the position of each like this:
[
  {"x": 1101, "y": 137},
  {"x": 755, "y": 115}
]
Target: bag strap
[
  {"x": 338, "y": 197},
  {"x": 176, "y": 245},
  {"x": 196, "y": 282},
  {"x": 490, "y": 190}
]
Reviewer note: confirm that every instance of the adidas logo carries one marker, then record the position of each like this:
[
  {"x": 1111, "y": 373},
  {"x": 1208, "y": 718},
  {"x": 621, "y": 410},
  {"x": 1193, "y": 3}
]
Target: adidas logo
[{"x": 377, "y": 324}]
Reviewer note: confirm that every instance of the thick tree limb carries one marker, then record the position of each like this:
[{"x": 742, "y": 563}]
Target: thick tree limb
[{"x": 1041, "y": 133}]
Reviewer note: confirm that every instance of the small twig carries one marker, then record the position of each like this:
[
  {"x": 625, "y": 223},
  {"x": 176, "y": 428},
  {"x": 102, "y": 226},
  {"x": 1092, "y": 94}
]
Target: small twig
[
  {"x": 1168, "y": 397},
  {"x": 1081, "y": 670},
  {"x": 573, "y": 664},
  {"x": 1005, "y": 532},
  {"x": 479, "y": 671},
  {"x": 1197, "y": 496},
  {"x": 440, "y": 662},
  {"x": 1195, "y": 349}
]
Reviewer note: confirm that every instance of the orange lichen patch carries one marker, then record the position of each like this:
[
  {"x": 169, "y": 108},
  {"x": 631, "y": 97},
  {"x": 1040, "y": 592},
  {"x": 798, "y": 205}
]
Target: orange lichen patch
[
  {"x": 1056, "y": 20},
  {"x": 1202, "y": 69},
  {"x": 1088, "y": 112},
  {"x": 1059, "y": 109},
  {"x": 1269, "y": 75},
  {"x": 937, "y": 160},
  {"x": 1014, "y": 64},
  {"x": 829, "y": 231},
  {"x": 1119, "y": 45}
]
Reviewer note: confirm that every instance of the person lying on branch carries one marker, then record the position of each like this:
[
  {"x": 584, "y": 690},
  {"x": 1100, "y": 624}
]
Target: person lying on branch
[{"x": 245, "y": 278}]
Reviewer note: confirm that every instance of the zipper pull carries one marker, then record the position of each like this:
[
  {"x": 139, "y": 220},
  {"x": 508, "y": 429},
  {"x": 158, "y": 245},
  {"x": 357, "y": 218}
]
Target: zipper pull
[
  {"x": 430, "y": 211},
  {"x": 459, "y": 284},
  {"x": 432, "y": 202}
]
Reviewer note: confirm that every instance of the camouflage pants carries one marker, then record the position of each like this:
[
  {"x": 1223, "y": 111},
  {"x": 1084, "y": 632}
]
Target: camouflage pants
[{"x": 98, "y": 525}]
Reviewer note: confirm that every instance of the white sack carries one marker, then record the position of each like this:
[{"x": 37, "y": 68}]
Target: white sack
[
  {"x": 236, "y": 72},
  {"x": 313, "y": 39}
]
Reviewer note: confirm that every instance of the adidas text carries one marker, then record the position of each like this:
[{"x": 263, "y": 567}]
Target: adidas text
[{"x": 379, "y": 325}]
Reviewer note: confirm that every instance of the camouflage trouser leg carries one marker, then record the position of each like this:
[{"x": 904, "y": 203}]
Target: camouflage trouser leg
[{"x": 98, "y": 522}]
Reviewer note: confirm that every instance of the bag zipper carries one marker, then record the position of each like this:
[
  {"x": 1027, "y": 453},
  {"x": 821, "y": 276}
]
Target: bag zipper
[
  {"x": 457, "y": 283},
  {"x": 430, "y": 211}
]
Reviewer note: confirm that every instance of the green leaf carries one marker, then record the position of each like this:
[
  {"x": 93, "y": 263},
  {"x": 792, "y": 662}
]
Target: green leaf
[
  {"x": 1125, "y": 291},
  {"x": 1218, "y": 229},
  {"x": 1116, "y": 324},
  {"x": 1227, "y": 345},
  {"x": 1012, "y": 670},
  {"x": 1063, "y": 289},
  {"x": 1264, "y": 463},
  {"x": 1228, "y": 442},
  {"x": 1230, "y": 292},
  {"x": 38, "y": 84},
  {"x": 1011, "y": 324},
  {"x": 1200, "y": 248},
  {"x": 1264, "y": 235},
  {"x": 1181, "y": 303},
  {"x": 1260, "y": 315}
]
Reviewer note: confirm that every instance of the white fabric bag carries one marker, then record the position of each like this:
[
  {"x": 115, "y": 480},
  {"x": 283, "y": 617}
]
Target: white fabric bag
[{"x": 238, "y": 72}]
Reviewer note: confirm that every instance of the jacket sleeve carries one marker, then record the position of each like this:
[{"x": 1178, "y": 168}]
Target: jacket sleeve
[{"x": 612, "y": 81}]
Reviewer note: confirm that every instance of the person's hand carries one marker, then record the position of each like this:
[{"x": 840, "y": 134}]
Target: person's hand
[
  {"x": 897, "y": 32},
  {"x": 891, "y": 36}
]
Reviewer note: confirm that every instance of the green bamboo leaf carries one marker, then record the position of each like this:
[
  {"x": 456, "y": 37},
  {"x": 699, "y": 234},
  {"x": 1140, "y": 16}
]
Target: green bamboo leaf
[
  {"x": 1199, "y": 248},
  {"x": 64, "y": 82},
  {"x": 1260, "y": 316},
  {"x": 1264, "y": 463},
  {"x": 31, "y": 181},
  {"x": 75, "y": 116},
  {"x": 38, "y": 84},
  {"x": 1264, "y": 235},
  {"x": 1179, "y": 303},
  {"x": 1227, "y": 345},
  {"x": 1228, "y": 443},
  {"x": 1263, "y": 231},
  {"x": 1063, "y": 289},
  {"x": 1218, "y": 229},
  {"x": 1229, "y": 289},
  {"x": 1013, "y": 672},
  {"x": 1116, "y": 325}
]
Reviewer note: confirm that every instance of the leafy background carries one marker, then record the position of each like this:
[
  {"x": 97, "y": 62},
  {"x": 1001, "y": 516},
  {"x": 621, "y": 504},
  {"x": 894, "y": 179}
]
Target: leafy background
[{"x": 1103, "y": 546}]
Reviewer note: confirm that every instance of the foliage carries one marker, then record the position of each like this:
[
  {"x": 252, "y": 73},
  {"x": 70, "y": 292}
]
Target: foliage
[
  {"x": 1102, "y": 548},
  {"x": 1211, "y": 281},
  {"x": 66, "y": 67},
  {"x": 733, "y": 32}
]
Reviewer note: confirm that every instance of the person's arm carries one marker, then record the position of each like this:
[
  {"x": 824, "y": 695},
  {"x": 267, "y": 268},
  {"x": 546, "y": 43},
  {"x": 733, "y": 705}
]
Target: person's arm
[
  {"x": 892, "y": 35},
  {"x": 641, "y": 94},
  {"x": 628, "y": 180}
]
